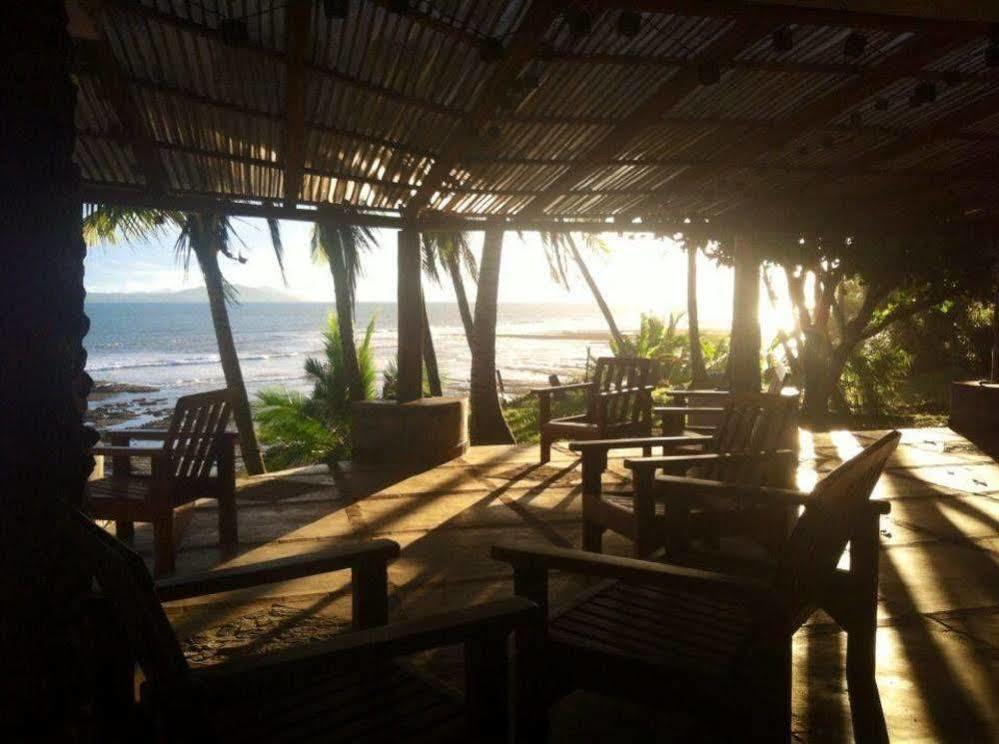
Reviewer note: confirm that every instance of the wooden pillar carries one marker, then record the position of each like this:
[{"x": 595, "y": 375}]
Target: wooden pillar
[
  {"x": 410, "y": 310},
  {"x": 43, "y": 387},
  {"x": 744, "y": 347},
  {"x": 994, "y": 361}
]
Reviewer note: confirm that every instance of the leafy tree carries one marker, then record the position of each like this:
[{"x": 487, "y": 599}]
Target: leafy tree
[
  {"x": 299, "y": 429},
  {"x": 203, "y": 235},
  {"x": 844, "y": 294},
  {"x": 451, "y": 252}
]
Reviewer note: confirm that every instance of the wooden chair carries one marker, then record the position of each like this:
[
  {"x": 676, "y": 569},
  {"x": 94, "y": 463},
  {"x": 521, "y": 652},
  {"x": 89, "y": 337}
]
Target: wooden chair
[
  {"x": 196, "y": 460},
  {"x": 690, "y": 413},
  {"x": 618, "y": 404},
  {"x": 350, "y": 688},
  {"x": 755, "y": 444},
  {"x": 719, "y": 644}
]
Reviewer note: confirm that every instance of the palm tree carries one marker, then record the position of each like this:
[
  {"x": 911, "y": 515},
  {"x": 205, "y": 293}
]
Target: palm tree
[
  {"x": 203, "y": 235},
  {"x": 487, "y": 425},
  {"x": 699, "y": 373},
  {"x": 341, "y": 246},
  {"x": 450, "y": 252},
  {"x": 556, "y": 246}
]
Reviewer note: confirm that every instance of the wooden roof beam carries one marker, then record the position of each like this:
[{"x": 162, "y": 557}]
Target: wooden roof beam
[
  {"x": 298, "y": 43},
  {"x": 782, "y": 12},
  {"x": 910, "y": 58},
  {"x": 526, "y": 40},
  {"x": 98, "y": 55},
  {"x": 649, "y": 112}
]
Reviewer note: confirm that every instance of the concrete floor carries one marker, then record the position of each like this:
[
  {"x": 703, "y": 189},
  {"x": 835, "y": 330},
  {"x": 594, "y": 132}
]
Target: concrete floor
[{"x": 938, "y": 638}]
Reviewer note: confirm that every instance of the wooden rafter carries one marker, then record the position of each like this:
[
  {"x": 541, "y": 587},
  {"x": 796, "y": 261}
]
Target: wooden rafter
[
  {"x": 99, "y": 56},
  {"x": 527, "y": 38},
  {"x": 297, "y": 45},
  {"x": 665, "y": 97},
  {"x": 900, "y": 20},
  {"x": 912, "y": 57}
]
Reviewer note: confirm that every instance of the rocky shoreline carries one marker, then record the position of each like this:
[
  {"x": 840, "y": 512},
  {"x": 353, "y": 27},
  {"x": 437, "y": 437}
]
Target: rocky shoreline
[{"x": 107, "y": 411}]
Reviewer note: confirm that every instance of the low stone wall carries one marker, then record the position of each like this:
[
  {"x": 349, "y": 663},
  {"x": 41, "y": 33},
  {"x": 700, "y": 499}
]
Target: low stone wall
[{"x": 418, "y": 435}]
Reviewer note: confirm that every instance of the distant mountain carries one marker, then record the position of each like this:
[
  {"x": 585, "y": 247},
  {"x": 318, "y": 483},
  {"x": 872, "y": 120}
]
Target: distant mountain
[{"x": 195, "y": 295}]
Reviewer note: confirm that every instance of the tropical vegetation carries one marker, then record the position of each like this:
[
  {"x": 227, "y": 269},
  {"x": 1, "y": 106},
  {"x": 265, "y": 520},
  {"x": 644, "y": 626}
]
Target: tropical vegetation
[{"x": 298, "y": 429}]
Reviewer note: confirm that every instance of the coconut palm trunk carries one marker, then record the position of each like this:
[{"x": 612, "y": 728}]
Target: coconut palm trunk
[
  {"x": 597, "y": 295},
  {"x": 487, "y": 425},
  {"x": 464, "y": 309},
  {"x": 699, "y": 373},
  {"x": 206, "y": 251},
  {"x": 343, "y": 298},
  {"x": 430, "y": 356}
]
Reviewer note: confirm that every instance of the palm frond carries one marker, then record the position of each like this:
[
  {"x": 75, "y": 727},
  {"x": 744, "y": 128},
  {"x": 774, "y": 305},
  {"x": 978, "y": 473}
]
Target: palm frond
[
  {"x": 112, "y": 225},
  {"x": 274, "y": 227}
]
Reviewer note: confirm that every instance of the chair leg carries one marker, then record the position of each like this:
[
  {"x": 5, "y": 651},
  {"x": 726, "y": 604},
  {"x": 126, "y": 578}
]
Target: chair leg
[
  {"x": 647, "y": 451},
  {"x": 163, "y": 547},
  {"x": 770, "y": 701},
  {"x": 124, "y": 530},
  {"x": 546, "y": 449},
  {"x": 593, "y": 535},
  {"x": 228, "y": 525}
]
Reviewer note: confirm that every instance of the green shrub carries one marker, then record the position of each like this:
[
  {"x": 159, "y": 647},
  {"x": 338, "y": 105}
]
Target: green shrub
[{"x": 301, "y": 430}]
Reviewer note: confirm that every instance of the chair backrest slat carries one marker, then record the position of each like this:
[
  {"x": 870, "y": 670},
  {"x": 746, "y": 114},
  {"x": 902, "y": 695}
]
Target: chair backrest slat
[
  {"x": 821, "y": 534},
  {"x": 192, "y": 439},
  {"x": 629, "y": 376},
  {"x": 754, "y": 423}
]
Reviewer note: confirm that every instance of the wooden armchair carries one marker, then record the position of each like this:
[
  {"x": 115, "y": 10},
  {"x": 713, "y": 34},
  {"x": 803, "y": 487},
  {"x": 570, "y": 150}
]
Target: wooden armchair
[
  {"x": 699, "y": 410},
  {"x": 755, "y": 444},
  {"x": 719, "y": 644},
  {"x": 196, "y": 460},
  {"x": 350, "y": 688},
  {"x": 618, "y": 404}
]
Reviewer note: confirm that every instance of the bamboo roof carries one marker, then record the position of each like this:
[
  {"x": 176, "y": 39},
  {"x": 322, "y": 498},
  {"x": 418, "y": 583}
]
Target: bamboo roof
[{"x": 464, "y": 113}]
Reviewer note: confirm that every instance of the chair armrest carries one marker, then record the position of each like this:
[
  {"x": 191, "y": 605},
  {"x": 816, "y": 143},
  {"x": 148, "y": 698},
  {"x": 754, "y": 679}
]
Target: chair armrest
[
  {"x": 714, "y": 393},
  {"x": 679, "y": 485},
  {"x": 561, "y": 388},
  {"x": 388, "y": 641},
  {"x": 660, "y": 410},
  {"x": 612, "y": 444},
  {"x": 116, "y": 451},
  {"x": 654, "y": 463},
  {"x": 537, "y": 557},
  {"x": 353, "y": 555}
]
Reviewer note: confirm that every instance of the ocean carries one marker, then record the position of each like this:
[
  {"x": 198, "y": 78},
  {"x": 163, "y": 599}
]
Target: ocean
[{"x": 171, "y": 347}]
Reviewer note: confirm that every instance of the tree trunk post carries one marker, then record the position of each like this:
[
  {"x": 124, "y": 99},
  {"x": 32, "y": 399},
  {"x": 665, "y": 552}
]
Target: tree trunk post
[
  {"x": 43, "y": 386},
  {"x": 486, "y": 423},
  {"x": 699, "y": 375},
  {"x": 454, "y": 268},
  {"x": 598, "y": 296},
  {"x": 744, "y": 346},
  {"x": 410, "y": 324},
  {"x": 207, "y": 254},
  {"x": 994, "y": 361}
]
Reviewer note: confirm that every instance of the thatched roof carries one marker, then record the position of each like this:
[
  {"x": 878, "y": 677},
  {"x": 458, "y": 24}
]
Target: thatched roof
[{"x": 797, "y": 118}]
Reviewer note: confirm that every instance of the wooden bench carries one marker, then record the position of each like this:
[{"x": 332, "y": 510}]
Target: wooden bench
[
  {"x": 618, "y": 404},
  {"x": 717, "y": 644},
  {"x": 195, "y": 460}
]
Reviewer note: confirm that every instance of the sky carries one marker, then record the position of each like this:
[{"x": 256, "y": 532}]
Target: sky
[{"x": 639, "y": 274}]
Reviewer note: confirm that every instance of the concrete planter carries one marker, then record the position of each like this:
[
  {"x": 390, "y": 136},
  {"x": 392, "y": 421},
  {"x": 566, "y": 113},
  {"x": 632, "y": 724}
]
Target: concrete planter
[
  {"x": 974, "y": 408},
  {"x": 417, "y": 435}
]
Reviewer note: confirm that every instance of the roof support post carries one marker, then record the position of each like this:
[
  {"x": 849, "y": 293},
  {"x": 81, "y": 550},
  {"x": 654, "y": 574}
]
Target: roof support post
[
  {"x": 994, "y": 361},
  {"x": 43, "y": 385},
  {"x": 409, "y": 385},
  {"x": 744, "y": 345},
  {"x": 299, "y": 38}
]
